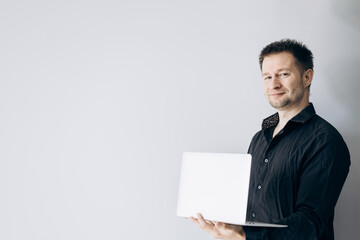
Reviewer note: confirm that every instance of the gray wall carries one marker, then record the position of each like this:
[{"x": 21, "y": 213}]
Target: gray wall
[{"x": 98, "y": 100}]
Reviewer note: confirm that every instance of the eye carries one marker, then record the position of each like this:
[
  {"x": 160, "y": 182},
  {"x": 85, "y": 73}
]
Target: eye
[
  {"x": 267, "y": 77},
  {"x": 283, "y": 74}
]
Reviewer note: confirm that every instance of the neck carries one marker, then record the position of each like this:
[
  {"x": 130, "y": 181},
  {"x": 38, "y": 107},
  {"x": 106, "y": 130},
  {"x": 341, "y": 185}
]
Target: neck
[{"x": 286, "y": 114}]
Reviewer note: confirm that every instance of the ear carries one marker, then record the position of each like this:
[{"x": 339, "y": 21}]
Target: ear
[{"x": 307, "y": 77}]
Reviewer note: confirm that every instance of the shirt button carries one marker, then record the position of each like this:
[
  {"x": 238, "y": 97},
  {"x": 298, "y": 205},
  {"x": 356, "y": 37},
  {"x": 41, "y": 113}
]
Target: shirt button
[
  {"x": 253, "y": 215},
  {"x": 266, "y": 160},
  {"x": 259, "y": 187}
]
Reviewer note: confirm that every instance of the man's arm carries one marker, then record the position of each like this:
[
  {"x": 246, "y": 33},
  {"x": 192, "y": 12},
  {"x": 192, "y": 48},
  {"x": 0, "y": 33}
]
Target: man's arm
[
  {"x": 320, "y": 181},
  {"x": 219, "y": 230}
]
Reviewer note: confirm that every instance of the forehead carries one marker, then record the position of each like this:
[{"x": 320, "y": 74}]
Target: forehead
[{"x": 276, "y": 61}]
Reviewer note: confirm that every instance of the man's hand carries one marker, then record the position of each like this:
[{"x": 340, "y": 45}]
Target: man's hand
[{"x": 219, "y": 230}]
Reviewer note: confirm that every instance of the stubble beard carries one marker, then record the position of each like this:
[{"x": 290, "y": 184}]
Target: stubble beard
[
  {"x": 280, "y": 103},
  {"x": 287, "y": 101}
]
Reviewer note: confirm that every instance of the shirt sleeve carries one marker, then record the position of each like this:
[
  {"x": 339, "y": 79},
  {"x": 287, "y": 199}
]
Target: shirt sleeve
[{"x": 324, "y": 168}]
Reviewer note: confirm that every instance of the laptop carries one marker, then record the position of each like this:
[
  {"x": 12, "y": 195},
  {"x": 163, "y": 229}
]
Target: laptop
[{"x": 217, "y": 186}]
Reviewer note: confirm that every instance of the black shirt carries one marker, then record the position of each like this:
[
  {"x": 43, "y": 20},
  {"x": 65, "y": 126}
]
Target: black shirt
[{"x": 296, "y": 177}]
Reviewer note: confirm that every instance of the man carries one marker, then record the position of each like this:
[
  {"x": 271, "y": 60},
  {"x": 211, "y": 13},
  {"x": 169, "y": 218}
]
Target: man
[{"x": 300, "y": 162}]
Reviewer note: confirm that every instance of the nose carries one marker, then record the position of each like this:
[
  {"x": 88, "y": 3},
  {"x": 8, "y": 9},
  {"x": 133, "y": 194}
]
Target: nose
[{"x": 275, "y": 83}]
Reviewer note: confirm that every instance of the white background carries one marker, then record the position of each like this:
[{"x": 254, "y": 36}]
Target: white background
[{"x": 98, "y": 100}]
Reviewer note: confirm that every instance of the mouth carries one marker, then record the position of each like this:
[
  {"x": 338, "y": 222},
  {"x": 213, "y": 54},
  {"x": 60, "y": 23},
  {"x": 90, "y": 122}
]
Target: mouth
[{"x": 276, "y": 94}]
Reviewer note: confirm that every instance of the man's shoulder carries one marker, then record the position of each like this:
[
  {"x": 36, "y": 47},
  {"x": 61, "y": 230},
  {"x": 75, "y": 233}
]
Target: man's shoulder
[
  {"x": 320, "y": 133},
  {"x": 322, "y": 127},
  {"x": 258, "y": 135},
  {"x": 257, "y": 139}
]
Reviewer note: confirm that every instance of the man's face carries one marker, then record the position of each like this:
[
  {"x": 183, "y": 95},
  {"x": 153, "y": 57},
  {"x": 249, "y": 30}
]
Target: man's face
[{"x": 284, "y": 84}]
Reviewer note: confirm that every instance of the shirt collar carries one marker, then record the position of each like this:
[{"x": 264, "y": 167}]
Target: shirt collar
[{"x": 301, "y": 117}]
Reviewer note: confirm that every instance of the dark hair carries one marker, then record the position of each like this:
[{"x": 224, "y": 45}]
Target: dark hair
[{"x": 301, "y": 53}]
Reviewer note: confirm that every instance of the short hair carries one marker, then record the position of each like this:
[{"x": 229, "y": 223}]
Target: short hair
[{"x": 302, "y": 54}]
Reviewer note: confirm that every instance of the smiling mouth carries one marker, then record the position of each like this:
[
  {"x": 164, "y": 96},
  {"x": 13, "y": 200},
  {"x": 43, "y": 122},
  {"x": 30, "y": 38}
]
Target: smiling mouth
[{"x": 276, "y": 94}]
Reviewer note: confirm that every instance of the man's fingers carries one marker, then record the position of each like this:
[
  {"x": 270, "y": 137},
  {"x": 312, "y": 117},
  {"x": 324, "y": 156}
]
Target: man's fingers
[
  {"x": 207, "y": 226},
  {"x": 201, "y": 221},
  {"x": 199, "y": 216},
  {"x": 204, "y": 221},
  {"x": 216, "y": 229},
  {"x": 210, "y": 223},
  {"x": 220, "y": 225},
  {"x": 194, "y": 220}
]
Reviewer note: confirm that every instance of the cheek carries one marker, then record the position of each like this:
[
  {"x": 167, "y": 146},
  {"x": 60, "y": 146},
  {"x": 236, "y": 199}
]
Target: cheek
[{"x": 265, "y": 87}]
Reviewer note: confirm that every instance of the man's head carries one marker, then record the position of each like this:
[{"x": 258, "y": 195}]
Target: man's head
[
  {"x": 301, "y": 53},
  {"x": 287, "y": 72}
]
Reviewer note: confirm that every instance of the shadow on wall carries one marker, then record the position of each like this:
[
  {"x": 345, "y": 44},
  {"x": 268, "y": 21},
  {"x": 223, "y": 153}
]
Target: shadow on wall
[
  {"x": 344, "y": 84},
  {"x": 347, "y": 10}
]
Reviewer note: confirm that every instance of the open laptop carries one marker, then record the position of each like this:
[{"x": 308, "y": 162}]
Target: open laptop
[{"x": 217, "y": 186}]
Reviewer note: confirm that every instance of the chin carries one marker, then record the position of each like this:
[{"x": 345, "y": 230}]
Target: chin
[{"x": 279, "y": 104}]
